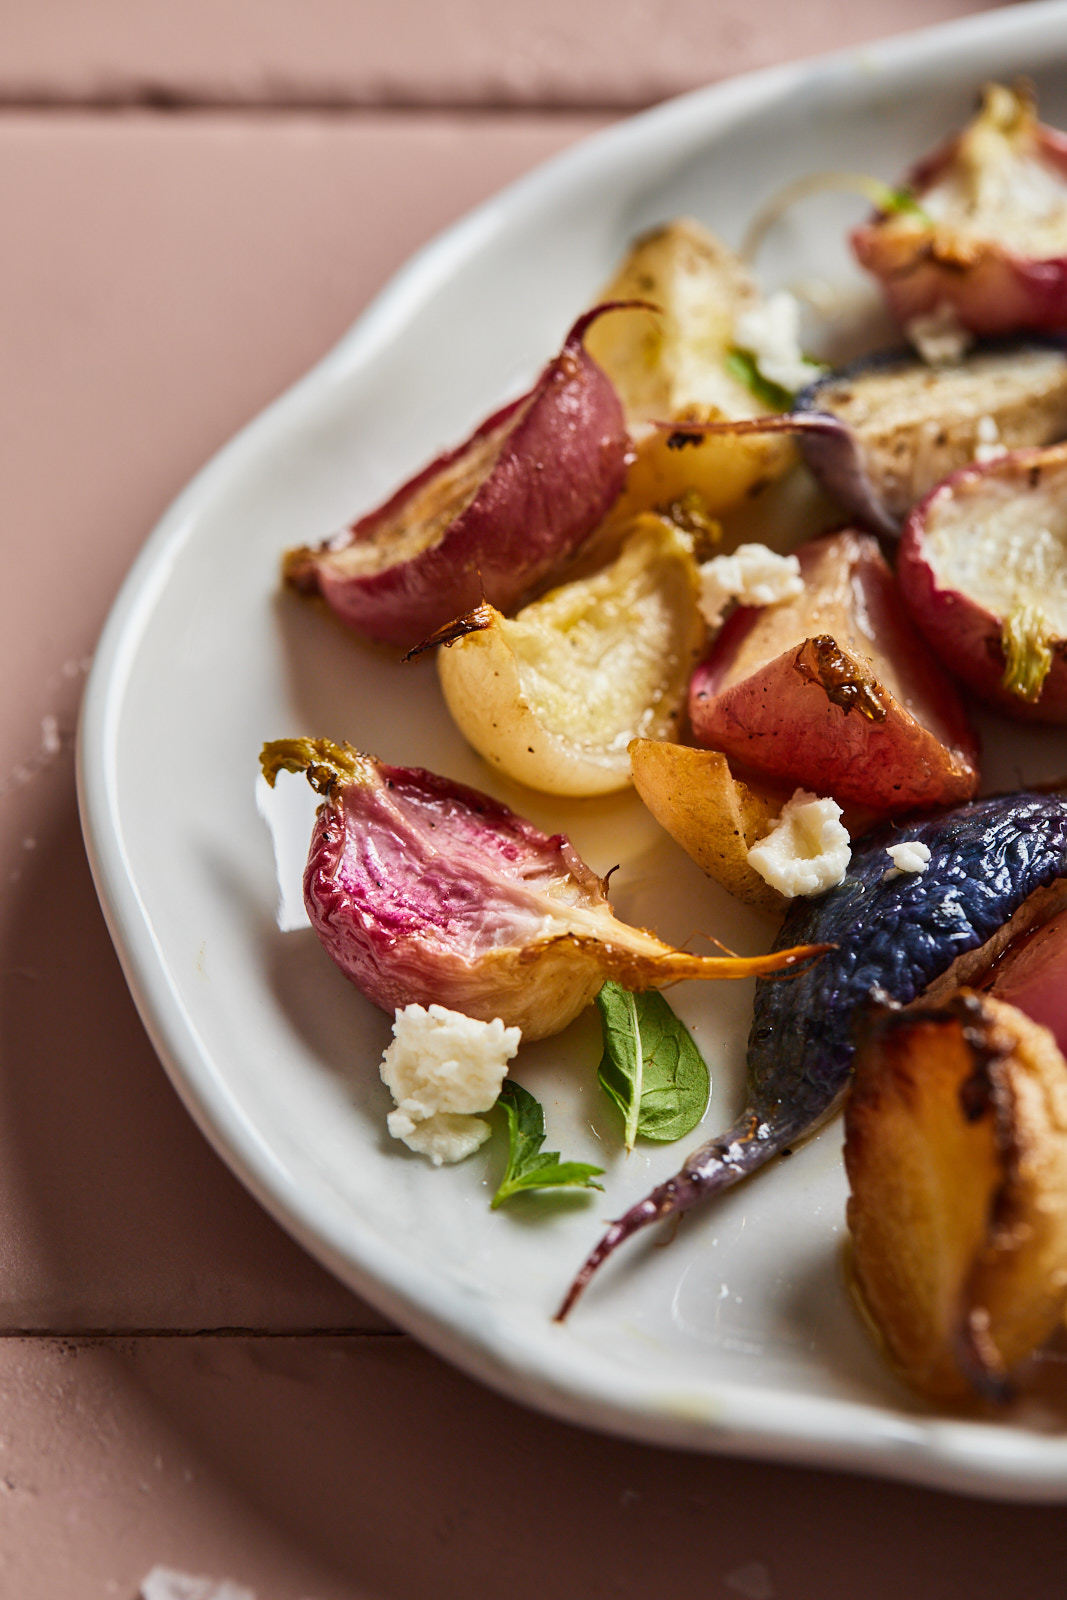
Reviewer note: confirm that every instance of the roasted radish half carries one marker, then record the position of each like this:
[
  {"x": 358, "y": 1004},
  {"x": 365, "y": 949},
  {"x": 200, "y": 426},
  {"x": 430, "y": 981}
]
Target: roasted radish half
[
  {"x": 907, "y": 425},
  {"x": 983, "y": 571},
  {"x": 986, "y": 232},
  {"x": 677, "y": 364},
  {"x": 426, "y": 892},
  {"x": 834, "y": 692},
  {"x": 554, "y": 695},
  {"x": 956, "y": 1152},
  {"x": 491, "y": 520}
]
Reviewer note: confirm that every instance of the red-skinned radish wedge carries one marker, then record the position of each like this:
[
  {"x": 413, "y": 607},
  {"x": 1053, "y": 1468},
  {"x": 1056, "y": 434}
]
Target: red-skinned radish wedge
[
  {"x": 834, "y": 692},
  {"x": 494, "y": 519},
  {"x": 984, "y": 228},
  {"x": 983, "y": 572}
]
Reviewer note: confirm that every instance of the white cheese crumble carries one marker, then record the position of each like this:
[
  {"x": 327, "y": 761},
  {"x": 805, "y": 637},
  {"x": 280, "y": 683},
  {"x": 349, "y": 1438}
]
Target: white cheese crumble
[
  {"x": 939, "y": 336},
  {"x": 753, "y": 574},
  {"x": 907, "y": 856},
  {"x": 441, "y": 1067},
  {"x": 808, "y": 849},
  {"x": 771, "y": 334}
]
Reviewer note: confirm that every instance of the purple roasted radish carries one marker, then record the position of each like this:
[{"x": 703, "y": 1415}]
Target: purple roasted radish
[
  {"x": 905, "y": 425},
  {"x": 983, "y": 571},
  {"x": 882, "y": 432},
  {"x": 424, "y": 891},
  {"x": 494, "y": 519}
]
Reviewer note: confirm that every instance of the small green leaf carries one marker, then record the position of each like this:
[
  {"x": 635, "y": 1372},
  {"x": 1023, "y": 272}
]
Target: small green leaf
[
  {"x": 741, "y": 364},
  {"x": 1024, "y": 639},
  {"x": 651, "y": 1068},
  {"x": 529, "y": 1167},
  {"x": 902, "y": 202}
]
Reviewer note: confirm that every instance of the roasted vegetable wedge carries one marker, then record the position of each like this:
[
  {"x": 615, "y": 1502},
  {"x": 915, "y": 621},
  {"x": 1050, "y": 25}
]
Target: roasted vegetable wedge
[
  {"x": 554, "y": 695},
  {"x": 834, "y": 692},
  {"x": 907, "y": 425},
  {"x": 491, "y": 520},
  {"x": 715, "y": 817},
  {"x": 674, "y": 365},
  {"x": 996, "y": 868},
  {"x": 424, "y": 891},
  {"x": 986, "y": 233},
  {"x": 983, "y": 571},
  {"x": 956, "y": 1152}
]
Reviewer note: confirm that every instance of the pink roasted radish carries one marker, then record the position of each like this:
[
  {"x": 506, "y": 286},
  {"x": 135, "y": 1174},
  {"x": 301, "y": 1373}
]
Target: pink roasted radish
[
  {"x": 984, "y": 235},
  {"x": 1032, "y": 974},
  {"x": 983, "y": 572},
  {"x": 494, "y": 519},
  {"x": 424, "y": 891},
  {"x": 834, "y": 692}
]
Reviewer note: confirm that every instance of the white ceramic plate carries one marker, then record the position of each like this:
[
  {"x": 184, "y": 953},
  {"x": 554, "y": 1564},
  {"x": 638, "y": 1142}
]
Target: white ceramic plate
[{"x": 739, "y": 1337}]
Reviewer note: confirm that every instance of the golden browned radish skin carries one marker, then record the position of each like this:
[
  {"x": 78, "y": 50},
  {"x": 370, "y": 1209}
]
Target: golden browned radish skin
[{"x": 956, "y": 1151}]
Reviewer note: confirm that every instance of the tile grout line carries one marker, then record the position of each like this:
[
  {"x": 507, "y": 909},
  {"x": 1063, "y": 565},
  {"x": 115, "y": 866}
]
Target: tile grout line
[
  {"x": 224, "y": 1332},
  {"x": 152, "y": 100}
]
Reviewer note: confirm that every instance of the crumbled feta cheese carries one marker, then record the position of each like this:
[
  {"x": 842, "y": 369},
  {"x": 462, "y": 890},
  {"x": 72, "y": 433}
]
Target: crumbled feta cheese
[
  {"x": 989, "y": 447},
  {"x": 907, "y": 856},
  {"x": 771, "y": 334},
  {"x": 939, "y": 336},
  {"x": 753, "y": 574},
  {"x": 808, "y": 849},
  {"x": 441, "y": 1067}
]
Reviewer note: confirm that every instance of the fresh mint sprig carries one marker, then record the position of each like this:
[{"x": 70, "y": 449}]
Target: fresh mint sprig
[{"x": 529, "y": 1167}]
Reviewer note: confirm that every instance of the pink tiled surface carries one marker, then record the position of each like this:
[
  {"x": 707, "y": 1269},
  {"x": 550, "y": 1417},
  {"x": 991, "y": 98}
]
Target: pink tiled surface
[
  {"x": 161, "y": 277},
  {"x": 411, "y": 52}
]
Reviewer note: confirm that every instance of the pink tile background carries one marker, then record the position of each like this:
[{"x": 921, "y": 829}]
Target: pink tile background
[{"x": 409, "y": 52}]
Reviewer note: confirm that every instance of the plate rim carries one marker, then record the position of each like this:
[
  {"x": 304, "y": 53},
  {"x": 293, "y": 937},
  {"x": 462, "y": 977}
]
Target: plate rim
[{"x": 941, "y": 1451}]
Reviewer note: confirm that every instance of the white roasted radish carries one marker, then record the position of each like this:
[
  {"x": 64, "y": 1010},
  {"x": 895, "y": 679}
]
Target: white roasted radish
[
  {"x": 554, "y": 695},
  {"x": 983, "y": 572}
]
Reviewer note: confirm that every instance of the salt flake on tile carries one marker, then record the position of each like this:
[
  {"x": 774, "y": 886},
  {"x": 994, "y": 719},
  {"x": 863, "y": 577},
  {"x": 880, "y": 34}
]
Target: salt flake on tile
[{"x": 163, "y": 1583}]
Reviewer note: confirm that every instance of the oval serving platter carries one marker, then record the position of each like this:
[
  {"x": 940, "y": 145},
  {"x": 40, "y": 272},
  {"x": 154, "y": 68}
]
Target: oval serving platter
[{"x": 740, "y": 1336}]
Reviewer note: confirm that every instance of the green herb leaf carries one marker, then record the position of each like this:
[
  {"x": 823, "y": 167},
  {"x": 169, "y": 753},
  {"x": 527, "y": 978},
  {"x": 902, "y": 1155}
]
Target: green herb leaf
[
  {"x": 740, "y": 364},
  {"x": 651, "y": 1068},
  {"x": 528, "y": 1166},
  {"x": 903, "y": 202},
  {"x": 1024, "y": 638}
]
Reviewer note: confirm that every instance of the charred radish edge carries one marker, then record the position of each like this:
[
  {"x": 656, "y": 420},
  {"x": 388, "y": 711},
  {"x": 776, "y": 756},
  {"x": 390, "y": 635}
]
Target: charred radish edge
[
  {"x": 473, "y": 621},
  {"x": 832, "y": 443},
  {"x": 1001, "y": 865}
]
